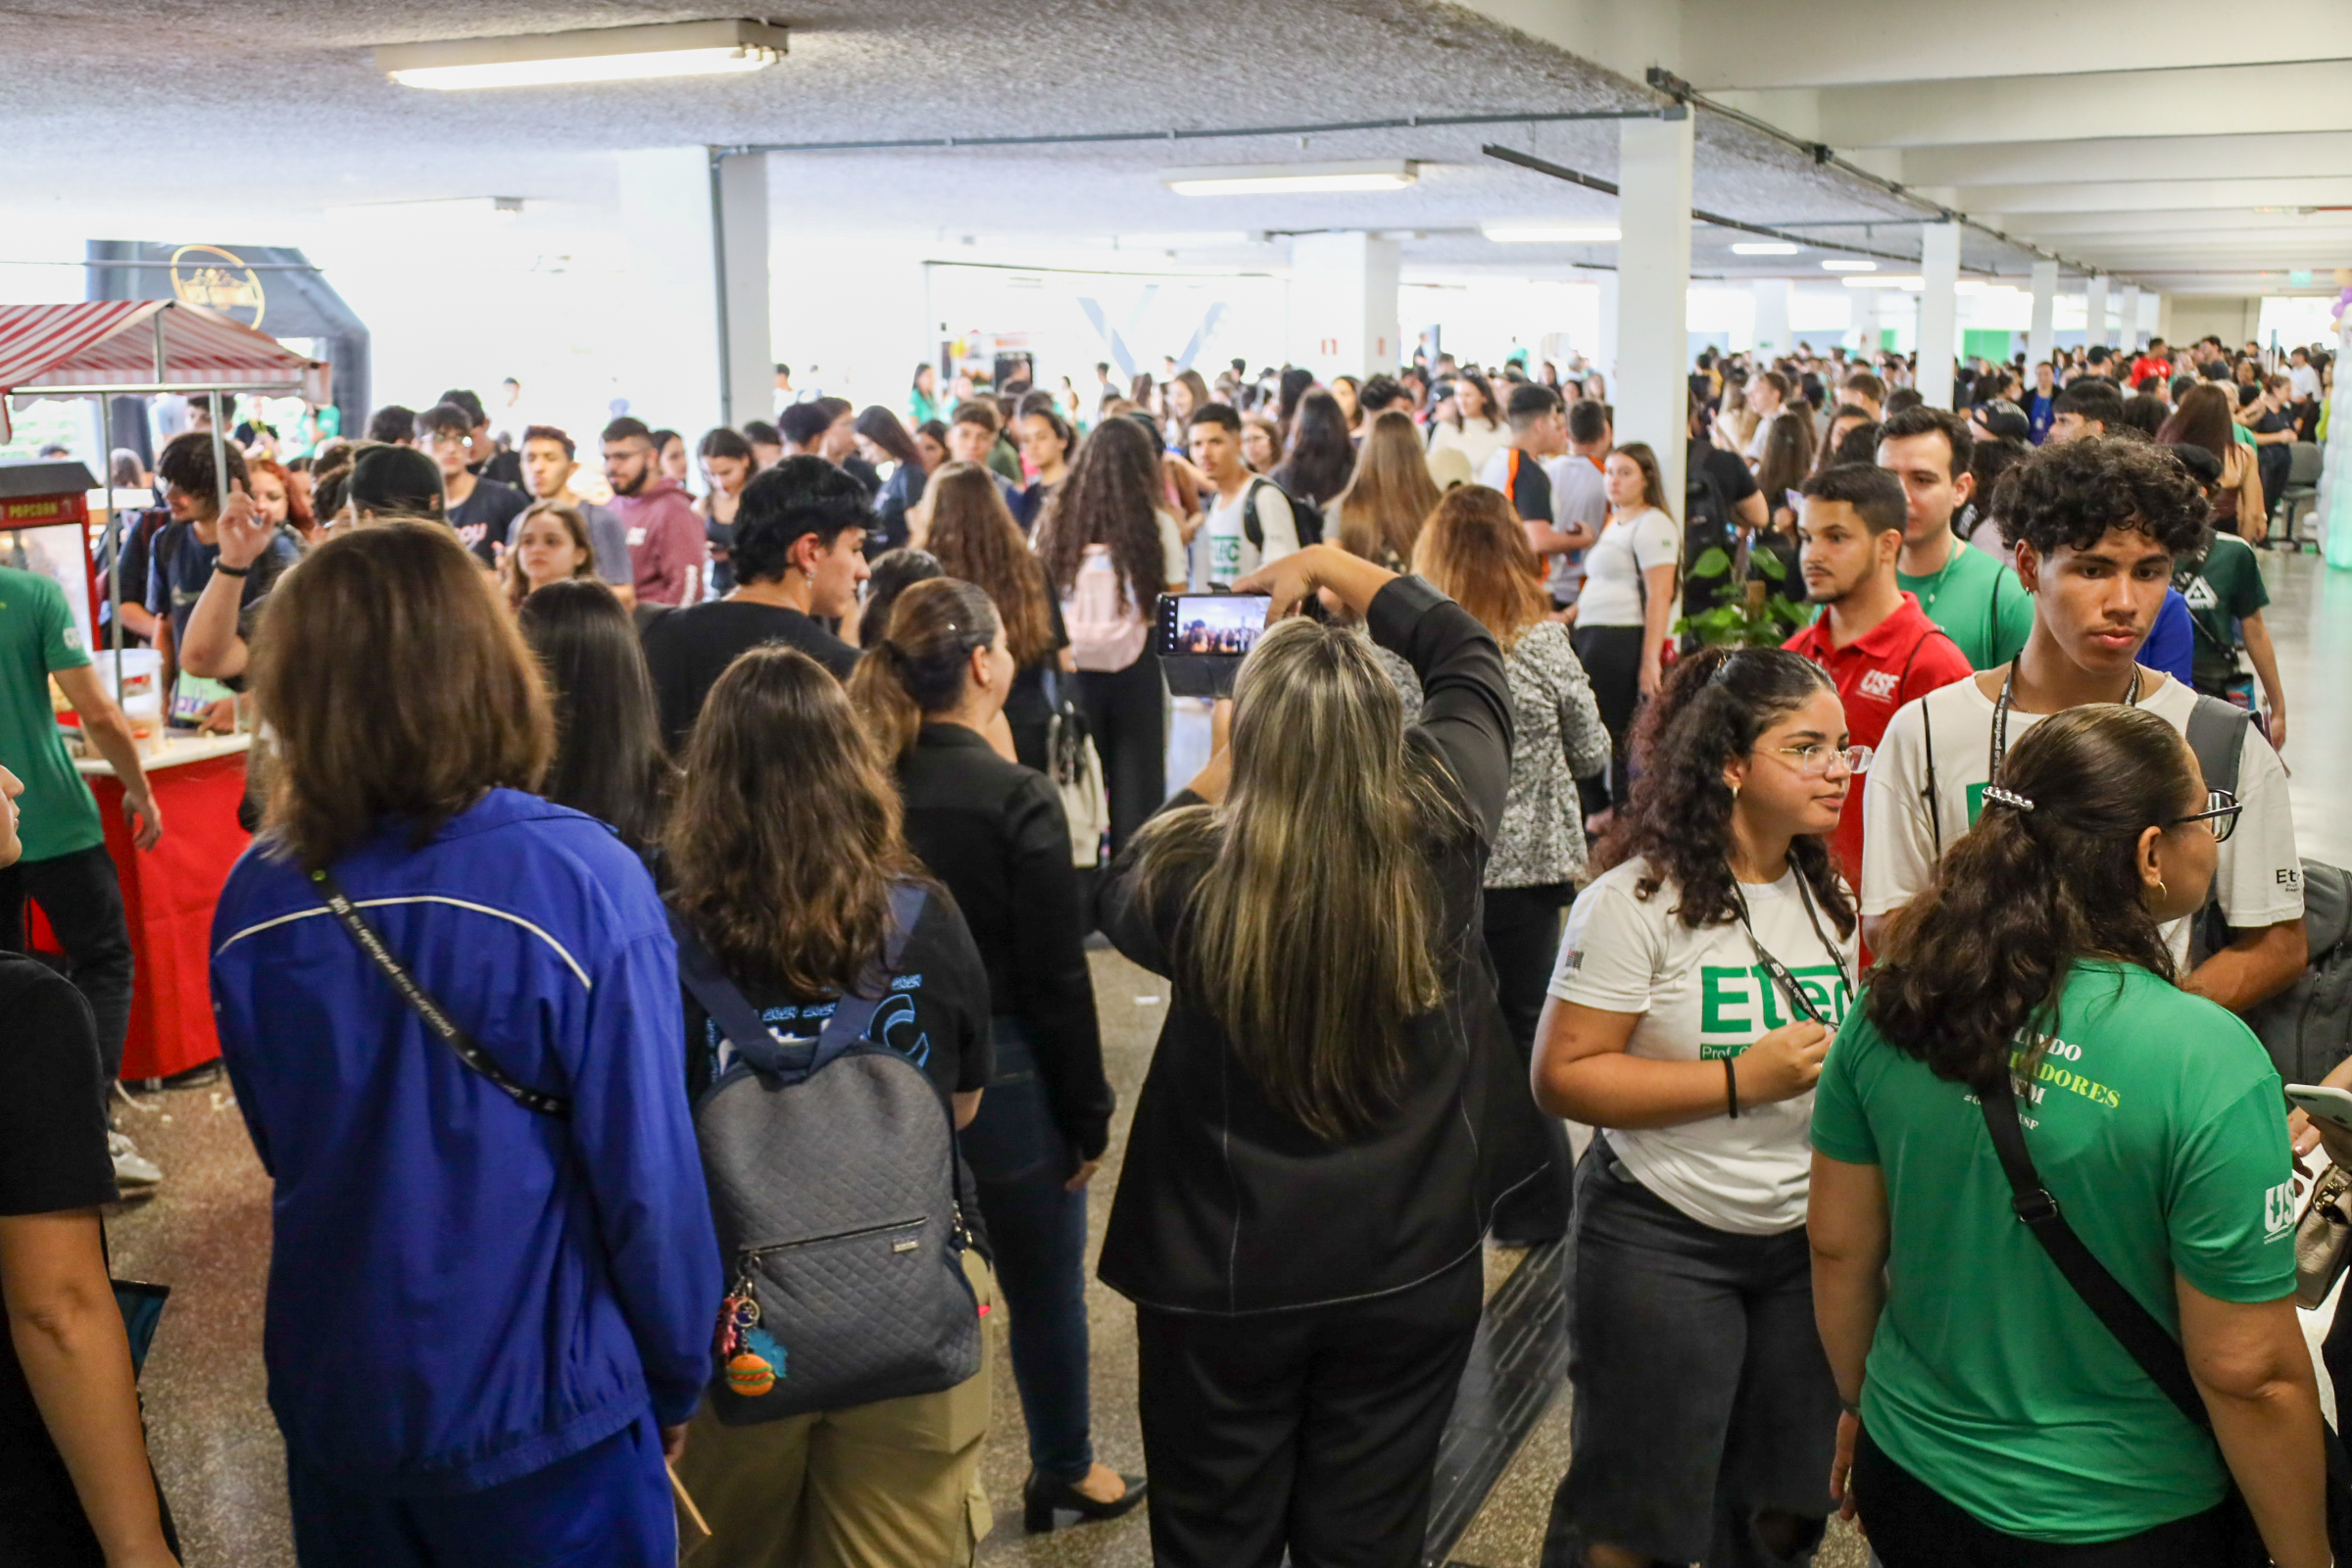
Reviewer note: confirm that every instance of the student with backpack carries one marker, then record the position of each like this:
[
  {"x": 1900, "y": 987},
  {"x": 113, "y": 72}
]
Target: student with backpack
[
  {"x": 836, "y": 1021},
  {"x": 1111, "y": 549},
  {"x": 996, "y": 834},
  {"x": 1250, "y": 521}
]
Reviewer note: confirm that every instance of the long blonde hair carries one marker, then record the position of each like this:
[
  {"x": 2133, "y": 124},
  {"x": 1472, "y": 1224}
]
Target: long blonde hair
[
  {"x": 1474, "y": 550},
  {"x": 1311, "y": 933},
  {"x": 1391, "y": 490}
]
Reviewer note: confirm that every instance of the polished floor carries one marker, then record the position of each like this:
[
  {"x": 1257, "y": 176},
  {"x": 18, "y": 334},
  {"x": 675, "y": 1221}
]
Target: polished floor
[{"x": 207, "y": 1234}]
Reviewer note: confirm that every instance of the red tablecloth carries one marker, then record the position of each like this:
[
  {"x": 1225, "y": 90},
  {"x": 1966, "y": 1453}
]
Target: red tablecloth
[{"x": 168, "y": 897}]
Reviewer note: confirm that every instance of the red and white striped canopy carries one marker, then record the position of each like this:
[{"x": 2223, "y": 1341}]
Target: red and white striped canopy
[{"x": 111, "y": 343}]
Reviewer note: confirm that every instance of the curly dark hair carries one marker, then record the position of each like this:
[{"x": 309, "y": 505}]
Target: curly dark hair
[
  {"x": 2071, "y": 493},
  {"x": 1984, "y": 950},
  {"x": 1714, "y": 706},
  {"x": 1114, "y": 489}
]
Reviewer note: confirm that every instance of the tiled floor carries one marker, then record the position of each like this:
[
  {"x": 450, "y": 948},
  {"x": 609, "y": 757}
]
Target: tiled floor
[{"x": 207, "y": 1234}]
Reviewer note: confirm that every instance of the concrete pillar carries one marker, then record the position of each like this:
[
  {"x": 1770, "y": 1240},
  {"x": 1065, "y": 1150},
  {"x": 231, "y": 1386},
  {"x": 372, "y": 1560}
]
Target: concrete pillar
[
  {"x": 683, "y": 219},
  {"x": 2126, "y": 317},
  {"x": 2042, "y": 340},
  {"x": 2094, "y": 310},
  {"x": 2163, "y": 317},
  {"x": 1604, "y": 356},
  {"x": 1651, "y": 392},
  {"x": 1772, "y": 316},
  {"x": 1343, "y": 303},
  {"x": 1938, "y": 310}
]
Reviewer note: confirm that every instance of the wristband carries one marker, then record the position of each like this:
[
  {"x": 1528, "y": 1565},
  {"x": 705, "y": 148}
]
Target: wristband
[
  {"x": 232, "y": 571},
  {"x": 1731, "y": 1088}
]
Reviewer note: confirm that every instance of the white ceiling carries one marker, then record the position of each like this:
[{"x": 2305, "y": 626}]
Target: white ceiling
[{"x": 158, "y": 112}]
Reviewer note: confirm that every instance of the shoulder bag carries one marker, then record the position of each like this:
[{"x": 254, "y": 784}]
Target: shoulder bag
[{"x": 2137, "y": 1330}]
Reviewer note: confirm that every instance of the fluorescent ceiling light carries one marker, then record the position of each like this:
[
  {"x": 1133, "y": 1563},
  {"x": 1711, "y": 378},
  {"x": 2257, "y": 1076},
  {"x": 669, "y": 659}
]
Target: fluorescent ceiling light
[
  {"x": 601, "y": 54},
  {"x": 1764, "y": 247},
  {"x": 1531, "y": 234},
  {"x": 1268, "y": 179},
  {"x": 1835, "y": 264},
  {"x": 1887, "y": 280},
  {"x": 1185, "y": 240}
]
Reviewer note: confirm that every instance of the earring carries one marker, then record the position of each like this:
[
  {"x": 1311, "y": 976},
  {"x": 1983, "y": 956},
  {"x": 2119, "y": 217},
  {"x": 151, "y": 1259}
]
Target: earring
[{"x": 2162, "y": 890}]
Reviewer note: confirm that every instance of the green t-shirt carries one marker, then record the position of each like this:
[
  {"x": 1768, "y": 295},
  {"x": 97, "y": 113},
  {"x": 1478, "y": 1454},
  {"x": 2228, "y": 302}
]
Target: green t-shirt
[
  {"x": 1978, "y": 601},
  {"x": 38, "y": 635},
  {"x": 2222, "y": 590},
  {"x": 2159, "y": 1124}
]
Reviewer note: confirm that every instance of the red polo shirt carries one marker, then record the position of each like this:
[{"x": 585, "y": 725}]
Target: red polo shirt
[{"x": 1903, "y": 656}]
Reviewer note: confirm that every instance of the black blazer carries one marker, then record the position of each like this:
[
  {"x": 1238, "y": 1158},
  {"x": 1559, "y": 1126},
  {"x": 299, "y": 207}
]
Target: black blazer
[
  {"x": 995, "y": 833},
  {"x": 1226, "y": 1205}
]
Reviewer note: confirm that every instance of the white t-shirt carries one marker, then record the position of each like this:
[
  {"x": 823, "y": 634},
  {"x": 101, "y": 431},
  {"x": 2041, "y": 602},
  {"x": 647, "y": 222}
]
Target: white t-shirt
[
  {"x": 1476, "y": 440},
  {"x": 1226, "y": 555},
  {"x": 1578, "y": 494},
  {"x": 1705, "y": 996},
  {"x": 1629, "y": 546},
  {"x": 1174, "y": 566},
  {"x": 2259, "y": 880},
  {"x": 2303, "y": 381}
]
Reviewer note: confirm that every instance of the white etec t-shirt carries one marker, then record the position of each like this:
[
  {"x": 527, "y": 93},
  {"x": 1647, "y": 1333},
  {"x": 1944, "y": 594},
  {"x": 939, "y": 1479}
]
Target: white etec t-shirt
[
  {"x": 1224, "y": 554},
  {"x": 1703, "y": 995},
  {"x": 2259, "y": 880},
  {"x": 1629, "y": 546}
]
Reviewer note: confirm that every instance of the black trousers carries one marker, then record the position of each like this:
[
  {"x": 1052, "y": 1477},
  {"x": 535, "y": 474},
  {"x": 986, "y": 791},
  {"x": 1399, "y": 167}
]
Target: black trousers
[
  {"x": 1612, "y": 658},
  {"x": 1911, "y": 1525},
  {"x": 1313, "y": 1431},
  {"x": 83, "y": 899},
  {"x": 1127, "y": 711},
  {"x": 2273, "y": 462},
  {"x": 1523, "y": 941}
]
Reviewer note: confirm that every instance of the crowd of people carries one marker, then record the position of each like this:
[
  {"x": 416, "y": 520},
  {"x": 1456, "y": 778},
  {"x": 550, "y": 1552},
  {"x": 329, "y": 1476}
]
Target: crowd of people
[{"x": 627, "y": 828}]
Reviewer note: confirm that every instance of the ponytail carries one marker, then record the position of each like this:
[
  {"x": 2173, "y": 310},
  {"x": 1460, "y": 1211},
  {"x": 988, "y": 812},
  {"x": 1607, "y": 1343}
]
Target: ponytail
[
  {"x": 2048, "y": 876},
  {"x": 921, "y": 663}
]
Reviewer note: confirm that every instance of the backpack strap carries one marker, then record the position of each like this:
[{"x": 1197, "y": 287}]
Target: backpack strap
[
  {"x": 2217, "y": 733},
  {"x": 754, "y": 1039},
  {"x": 1927, "y": 725},
  {"x": 1250, "y": 523}
]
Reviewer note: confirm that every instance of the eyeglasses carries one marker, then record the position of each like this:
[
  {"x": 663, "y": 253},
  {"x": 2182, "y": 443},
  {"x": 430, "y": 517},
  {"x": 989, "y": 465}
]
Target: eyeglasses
[
  {"x": 2220, "y": 810},
  {"x": 1815, "y": 759}
]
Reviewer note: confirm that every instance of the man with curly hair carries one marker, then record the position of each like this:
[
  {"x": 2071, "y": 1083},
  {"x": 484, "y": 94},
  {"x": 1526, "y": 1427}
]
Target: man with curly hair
[{"x": 2097, "y": 523}]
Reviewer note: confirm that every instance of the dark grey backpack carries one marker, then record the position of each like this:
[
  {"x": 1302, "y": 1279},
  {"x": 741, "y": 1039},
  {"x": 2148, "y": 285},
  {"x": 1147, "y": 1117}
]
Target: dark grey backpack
[
  {"x": 2307, "y": 1027},
  {"x": 833, "y": 1181}
]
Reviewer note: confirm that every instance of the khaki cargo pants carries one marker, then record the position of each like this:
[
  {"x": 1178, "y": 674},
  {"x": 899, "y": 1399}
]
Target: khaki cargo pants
[{"x": 890, "y": 1485}]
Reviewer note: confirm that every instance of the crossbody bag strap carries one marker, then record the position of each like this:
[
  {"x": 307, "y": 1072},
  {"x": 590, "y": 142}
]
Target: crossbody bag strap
[
  {"x": 2136, "y": 1329},
  {"x": 435, "y": 1016},
  {"x": 1927, "y": 727}
]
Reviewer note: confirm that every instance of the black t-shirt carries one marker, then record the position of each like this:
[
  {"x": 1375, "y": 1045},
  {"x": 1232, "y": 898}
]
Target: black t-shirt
[
  {"x": 1025, "y": 705},
  {"x": 1530, "y": 488},
  {"x": 53, "y": 1158},
  {"x": 937, "y": 1013},
  {"x": 181, "y": 564},
  {"x": 1727, "y": 476},
  {"x": 502, "y": 467},
  {"x": 481, "y": 518},
  {"x": 688, "y": 650}
]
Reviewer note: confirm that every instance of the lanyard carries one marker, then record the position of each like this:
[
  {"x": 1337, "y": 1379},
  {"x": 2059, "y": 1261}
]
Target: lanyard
[
  {"x": 1780, "y": 977},
  {"x": 2000, "y": 716}
]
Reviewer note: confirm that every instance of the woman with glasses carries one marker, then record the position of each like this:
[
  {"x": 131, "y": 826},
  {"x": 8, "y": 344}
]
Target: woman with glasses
[
  {"x": 1697, "y": 986},
  {"x": 1990, "y": 1418}
]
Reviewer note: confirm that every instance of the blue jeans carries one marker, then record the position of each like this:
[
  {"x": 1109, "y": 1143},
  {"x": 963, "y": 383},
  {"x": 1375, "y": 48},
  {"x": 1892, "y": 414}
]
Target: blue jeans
[
  {"x": 607, "y": 1506},
  {"x": 1020, "y": 1160}
]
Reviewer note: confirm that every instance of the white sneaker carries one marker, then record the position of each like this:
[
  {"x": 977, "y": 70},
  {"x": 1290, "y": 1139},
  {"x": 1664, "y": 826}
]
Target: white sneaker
[{"x": 132, "y": 1169}]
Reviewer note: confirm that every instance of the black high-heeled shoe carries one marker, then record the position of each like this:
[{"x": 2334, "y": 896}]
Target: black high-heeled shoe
[{"x": 1043, "y": 1496}]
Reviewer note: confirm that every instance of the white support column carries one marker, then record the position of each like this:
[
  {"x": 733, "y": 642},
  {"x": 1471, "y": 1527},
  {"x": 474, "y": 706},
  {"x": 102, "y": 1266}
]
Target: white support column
[
  {"x": 1343, "y": 303},
  {"x": 1604, "y": 356},
  {"x": 2163, "y": 318},
  {"x": 747, "y": 343},
  {"x": 671, "y": 209},
  {"x": 1772, "y": 316},
  {"x": 1651, "y": 392},
  {"x": 2042, "y": 340},
  {"x": 1938, "y": 310},
  {"x": 2094, "y": 310},
  {"x": 2127, "y": 316}
]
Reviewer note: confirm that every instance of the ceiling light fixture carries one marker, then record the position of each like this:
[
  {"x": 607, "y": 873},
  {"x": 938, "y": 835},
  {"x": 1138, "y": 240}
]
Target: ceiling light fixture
[
  {"x": 1532, "y": 233},
  {"x": 599, "y": 54},
  {"x": 1887, "y": 280},
  {"x": 1269, "y": 179},
  {"x": 1835, "y": 264},
  {"x": 1765, "y": 247}
]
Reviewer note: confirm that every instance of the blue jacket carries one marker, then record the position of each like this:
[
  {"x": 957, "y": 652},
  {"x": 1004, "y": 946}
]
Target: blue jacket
[
  {"x": 2171, "y": 643},
  {"x": 463, "y": 1290}
]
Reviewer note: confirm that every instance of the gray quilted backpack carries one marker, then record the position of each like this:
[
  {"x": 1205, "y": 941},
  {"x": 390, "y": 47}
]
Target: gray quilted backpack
[{"x": 831, "y": 1164}]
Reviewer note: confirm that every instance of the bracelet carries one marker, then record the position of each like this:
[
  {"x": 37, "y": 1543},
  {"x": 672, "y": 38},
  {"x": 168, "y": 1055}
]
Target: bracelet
[
  {"x": 1730, "y": 1087},
  {"x": 232, "y": 571}
]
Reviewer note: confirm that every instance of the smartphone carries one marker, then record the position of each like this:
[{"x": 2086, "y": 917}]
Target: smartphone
[
  {"x": 2322, "y": 1104},
  {"x": 1202, "y": 638}
]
